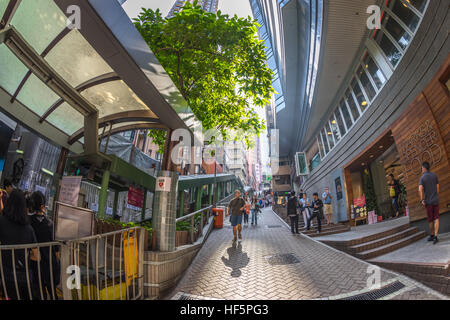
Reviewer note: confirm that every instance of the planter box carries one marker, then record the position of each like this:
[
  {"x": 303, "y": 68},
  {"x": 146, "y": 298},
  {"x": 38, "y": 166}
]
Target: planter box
[{"x": 181, "y": 238}]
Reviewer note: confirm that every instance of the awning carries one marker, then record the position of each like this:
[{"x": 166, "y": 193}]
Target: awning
[{"x": 57, "y": 81}]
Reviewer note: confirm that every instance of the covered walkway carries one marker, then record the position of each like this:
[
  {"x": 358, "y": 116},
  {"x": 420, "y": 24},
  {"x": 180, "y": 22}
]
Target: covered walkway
[{"x": 271, "y": 263}]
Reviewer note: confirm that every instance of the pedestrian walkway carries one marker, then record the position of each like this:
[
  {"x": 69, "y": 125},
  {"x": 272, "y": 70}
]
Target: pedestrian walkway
[{"x": 270, "y": 263}]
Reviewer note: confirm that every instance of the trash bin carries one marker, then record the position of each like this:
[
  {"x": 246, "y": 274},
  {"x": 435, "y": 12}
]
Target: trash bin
[{"x": 218, "y": 219}]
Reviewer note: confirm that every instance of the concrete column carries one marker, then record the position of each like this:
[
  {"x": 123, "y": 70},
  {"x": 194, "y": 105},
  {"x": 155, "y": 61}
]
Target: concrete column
[
  {"x": 164, "y": 210},
  {"x": 103, "y": 197}
]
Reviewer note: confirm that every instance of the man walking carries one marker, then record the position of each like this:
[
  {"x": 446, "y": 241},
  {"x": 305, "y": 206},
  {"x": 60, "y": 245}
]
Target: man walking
[
  {"x": 429, "y": 197},
  {"x": 236, "y": 206},
  {"x": 317, "y": 211},
  {"x": 304, "y": 204},
  {"x": 326, "y": 196},
  {"x": 292, "y": 204}
]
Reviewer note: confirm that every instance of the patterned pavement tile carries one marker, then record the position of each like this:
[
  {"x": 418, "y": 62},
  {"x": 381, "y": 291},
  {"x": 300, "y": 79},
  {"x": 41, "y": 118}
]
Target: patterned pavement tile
[{"x": 226, "y": 270}]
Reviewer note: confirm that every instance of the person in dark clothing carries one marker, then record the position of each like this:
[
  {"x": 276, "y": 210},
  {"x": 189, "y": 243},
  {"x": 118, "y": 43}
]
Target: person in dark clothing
[
  {"x": 43, "y": 229},
  {"x": 394, "y": 192},
  {"x": 15, "y": 229},
  {"x": 234, "y": 209},
  {"x": 317, "y": 211},
  {"x": 292, "y": 205},
  {"x": 429, "y": 198},
  {"x": 4, "y": 194}
]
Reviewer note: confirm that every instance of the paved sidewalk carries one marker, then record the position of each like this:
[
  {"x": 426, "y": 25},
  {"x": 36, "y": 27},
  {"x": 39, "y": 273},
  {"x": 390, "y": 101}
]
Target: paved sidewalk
[{"x": 242, "y": 271}]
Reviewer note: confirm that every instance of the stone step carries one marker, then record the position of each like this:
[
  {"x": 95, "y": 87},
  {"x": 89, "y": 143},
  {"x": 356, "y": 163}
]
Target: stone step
[
  {"x": 382, "y": 241},
  {"x": 326, "y": 229},
  {"x": 375, "y": 252},
  {"x": 378, "y": 235},
  {"x": 326, "y": 233}
]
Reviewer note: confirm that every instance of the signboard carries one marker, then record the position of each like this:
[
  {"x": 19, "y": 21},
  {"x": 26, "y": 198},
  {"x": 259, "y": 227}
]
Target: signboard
[
  {"x": 338, "y": 188},
  {"x": 135, "y": 197},
  {"x": 40, "y": 188},
  {"x": 359, "y": 207},
  {"x": 72, "y": 222},
  {"x": 301, "y": 164},
  {"x": 163, "y": 184},
  {"x": 70, "y": 189}
]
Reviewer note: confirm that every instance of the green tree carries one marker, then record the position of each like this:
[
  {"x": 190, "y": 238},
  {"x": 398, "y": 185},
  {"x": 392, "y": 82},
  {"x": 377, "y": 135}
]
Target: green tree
[{"x": 217, "y": 63}]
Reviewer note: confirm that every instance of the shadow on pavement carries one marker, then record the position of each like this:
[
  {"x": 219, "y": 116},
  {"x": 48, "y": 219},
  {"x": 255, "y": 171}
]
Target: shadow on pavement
[{"x": 236, "y": 259}]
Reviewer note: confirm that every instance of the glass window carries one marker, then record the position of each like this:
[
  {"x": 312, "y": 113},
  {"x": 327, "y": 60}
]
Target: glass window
[
  {"x": 12, "y": 70},
  {"x": 368, "y": 87},
  {"x": 359, "y": 95},
  {"x": 419, "y": 4},
  {"x": 325, "y": 144},
  {"x": 335, "y": 129},
  {"x": 352, "y": 104},
  {"x": 329, "y": 135},
  {"x": 319, "y": 141},
  {"x": 396, "y": 31},
  {"x": 377, "y": 76},
  {"x": 340, "y": 122},
  {"x": 66, "y": 118},
  {"x": 346, "y": 114},
  {"x": 37, "y": 96},
  {"x": 404, "y": 13},
  {"x": 388, "y": 47}
]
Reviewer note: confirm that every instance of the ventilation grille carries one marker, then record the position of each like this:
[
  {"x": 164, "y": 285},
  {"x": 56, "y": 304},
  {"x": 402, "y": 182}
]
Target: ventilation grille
[{"x": 379, "y": 293}]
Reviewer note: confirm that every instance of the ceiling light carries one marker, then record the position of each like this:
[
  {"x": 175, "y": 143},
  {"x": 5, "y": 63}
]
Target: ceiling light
[
  {"x": 364, "y": 103},
  {"x": 371, "y": 155},
  {"x": 329, "y": 133},
  {"x": 333, "y": 121},
  {"x": 381, "y": 147}
]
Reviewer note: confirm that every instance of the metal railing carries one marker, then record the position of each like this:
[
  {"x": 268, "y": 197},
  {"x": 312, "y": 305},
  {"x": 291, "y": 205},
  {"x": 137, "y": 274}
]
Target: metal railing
[
  {"x": 102, "y": 267},
  {"x": 204, "y": 214}
]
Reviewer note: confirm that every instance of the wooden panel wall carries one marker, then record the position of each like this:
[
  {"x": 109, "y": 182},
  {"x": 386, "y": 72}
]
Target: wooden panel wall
[{"x": 422, "y": 134}]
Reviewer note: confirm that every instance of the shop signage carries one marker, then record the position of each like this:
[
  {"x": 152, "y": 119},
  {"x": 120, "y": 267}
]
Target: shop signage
[
  {"x": 163, "y": 184},
  {"x": 70, "y": 189},
  {"x": 338, "y": 188},
  {"x": 359, "y": 207},
  {"x": 135, "y": 197}
]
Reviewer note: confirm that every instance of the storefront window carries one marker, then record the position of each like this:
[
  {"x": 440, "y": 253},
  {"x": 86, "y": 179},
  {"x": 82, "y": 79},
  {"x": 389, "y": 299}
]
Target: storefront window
[
  {"x": 340, "y": 122},
  {"x": 352, "y": 104},
  {"x": 335, "y": 129},
  {"x": 368, "y": 87},
  {"x": 320, "y": 144},
  {"x": 391, "y": 52},
  {"x": 419, "y": 4},
  {"x": 377, "y": 76},
  {"x": 325, "y": 143},
  {"x": 329, "y": 135},
  {"x": 346, "y": 114},
  {"x": 359, "y": 95},
  {"x": 402, "y": 11},
  {"x": 396, "y": 31}
]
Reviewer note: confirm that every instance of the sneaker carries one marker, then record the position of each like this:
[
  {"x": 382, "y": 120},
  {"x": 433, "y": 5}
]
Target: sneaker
[
  {"x": 430, "y": 238},
  {"x": 234, "y": 239},
  {"x": 240, "y": 237},
  {"x": 435, "y": 240}
]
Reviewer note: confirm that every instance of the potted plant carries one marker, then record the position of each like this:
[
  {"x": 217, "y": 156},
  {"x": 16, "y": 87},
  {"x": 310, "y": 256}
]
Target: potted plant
[
  {"x": 369, "y": 192},
  {"x": 182, "y": 234}
]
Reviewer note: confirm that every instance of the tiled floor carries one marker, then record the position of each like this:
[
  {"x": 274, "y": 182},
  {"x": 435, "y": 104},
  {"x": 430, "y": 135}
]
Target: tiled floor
[{"x": 242, "y": 271}]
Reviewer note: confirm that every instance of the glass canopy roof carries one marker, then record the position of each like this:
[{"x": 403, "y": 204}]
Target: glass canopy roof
[{"x": 42, "y": 25}]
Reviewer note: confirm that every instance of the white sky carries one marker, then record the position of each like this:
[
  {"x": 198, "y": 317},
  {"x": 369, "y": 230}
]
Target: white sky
[{"x": 231, "y": 7}]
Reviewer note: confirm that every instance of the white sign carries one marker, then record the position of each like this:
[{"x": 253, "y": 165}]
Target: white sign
[
  {"x": 163, "y": 184},
  {"x": 70, "y": 188},
  {"x": 39, "y": 188}
]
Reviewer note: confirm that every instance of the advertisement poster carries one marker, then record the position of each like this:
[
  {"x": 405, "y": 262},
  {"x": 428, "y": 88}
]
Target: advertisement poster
[
  {"x": 338, "y": 188},
  {"x": 70, "y": 189},
  {"x": 359, "y": 207},
  {"x": 135, "y": 197}
]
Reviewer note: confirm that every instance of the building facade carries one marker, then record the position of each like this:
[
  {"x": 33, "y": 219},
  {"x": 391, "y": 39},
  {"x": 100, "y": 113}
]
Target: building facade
[
  {"x": 207, "y": 5},
  {"x": 386, "y": 111}
]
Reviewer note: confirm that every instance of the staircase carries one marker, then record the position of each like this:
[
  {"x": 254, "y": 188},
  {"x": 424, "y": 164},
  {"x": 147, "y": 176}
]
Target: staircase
[
  {"x": 381, "y": 243},
  {"x": 325, "y": 230}
]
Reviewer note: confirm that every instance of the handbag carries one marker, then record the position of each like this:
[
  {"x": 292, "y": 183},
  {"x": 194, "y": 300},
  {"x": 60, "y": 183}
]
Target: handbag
[{"x": 392, "y": 191}]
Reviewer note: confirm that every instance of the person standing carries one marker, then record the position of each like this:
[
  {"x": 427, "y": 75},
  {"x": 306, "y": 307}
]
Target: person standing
[
  {"x": 254, "y": 209},
  {"x": 317, "y": 211},
  {"x": 235, "y": 208},
  {"x": 429, "y": 198},
  {"x": 15, "y": 229},
  {"x": 43, "y": 229},
  {"x": 4, "y": 193},
  {"x": 246, "y": 210},
  {"x": 328, "y": 208},
  {"x": 394, "y": 192},
  {"x": 304, "y": 204},
  {"x": 292, "y": 205}
]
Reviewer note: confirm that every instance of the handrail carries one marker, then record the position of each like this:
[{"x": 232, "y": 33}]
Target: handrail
[{"x": 193, "y": 214}]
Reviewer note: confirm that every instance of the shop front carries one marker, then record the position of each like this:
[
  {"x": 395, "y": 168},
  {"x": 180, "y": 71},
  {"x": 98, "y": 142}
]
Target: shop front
[{"x": 421, "y": 133}]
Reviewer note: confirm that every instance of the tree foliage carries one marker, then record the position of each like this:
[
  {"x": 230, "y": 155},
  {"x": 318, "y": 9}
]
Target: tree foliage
[{"x": 217, "y": 63}]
